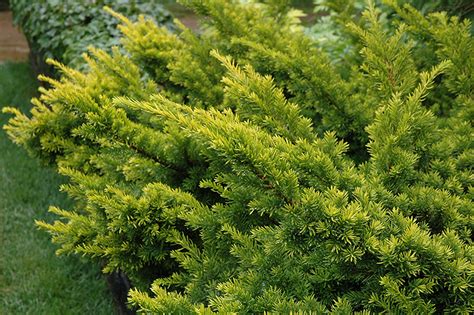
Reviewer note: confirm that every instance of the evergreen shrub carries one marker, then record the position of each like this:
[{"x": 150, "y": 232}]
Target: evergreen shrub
[{"x": 246, "y": 170}]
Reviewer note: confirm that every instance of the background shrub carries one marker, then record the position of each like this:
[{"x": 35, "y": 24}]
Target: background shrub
[{"x": 63, "y": 30}]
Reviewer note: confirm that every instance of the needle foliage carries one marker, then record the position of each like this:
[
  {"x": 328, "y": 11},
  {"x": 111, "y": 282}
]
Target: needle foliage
[{"x": 245, "y": 170}]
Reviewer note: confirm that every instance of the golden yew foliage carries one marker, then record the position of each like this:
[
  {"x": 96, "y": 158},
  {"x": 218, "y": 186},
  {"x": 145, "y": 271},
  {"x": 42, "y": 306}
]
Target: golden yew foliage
[{"x": 239, "y": 170}]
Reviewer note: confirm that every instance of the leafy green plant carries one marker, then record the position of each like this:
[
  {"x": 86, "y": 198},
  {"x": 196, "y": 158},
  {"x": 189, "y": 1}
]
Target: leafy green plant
[
  {"x": 245, "y": 170},
  {"x": 65, "y": 29}
]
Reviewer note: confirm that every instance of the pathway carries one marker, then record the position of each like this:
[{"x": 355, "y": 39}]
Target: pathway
[{"x": 13, "y": 44}]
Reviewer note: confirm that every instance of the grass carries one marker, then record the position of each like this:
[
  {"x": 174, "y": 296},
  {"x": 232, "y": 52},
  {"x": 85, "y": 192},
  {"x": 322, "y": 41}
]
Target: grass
[{"x": 33, "y": 280}]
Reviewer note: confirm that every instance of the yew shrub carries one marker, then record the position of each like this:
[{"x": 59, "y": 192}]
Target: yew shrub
[{"x": 249, "y": 169}]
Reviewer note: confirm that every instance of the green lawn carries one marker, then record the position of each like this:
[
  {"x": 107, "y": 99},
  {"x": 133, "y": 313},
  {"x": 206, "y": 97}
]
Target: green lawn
[{"x": 33, "y": 280}]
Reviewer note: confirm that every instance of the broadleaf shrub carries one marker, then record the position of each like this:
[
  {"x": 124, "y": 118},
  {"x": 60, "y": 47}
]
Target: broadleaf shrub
[
  {"x": 63, "y": 30},
  {"x": 244, "y": 170}
]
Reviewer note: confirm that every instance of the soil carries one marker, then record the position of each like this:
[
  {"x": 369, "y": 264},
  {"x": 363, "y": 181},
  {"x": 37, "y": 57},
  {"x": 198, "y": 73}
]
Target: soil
[
  {"x": 13, "y": 44},
  {"x": 191, "y": 21}
]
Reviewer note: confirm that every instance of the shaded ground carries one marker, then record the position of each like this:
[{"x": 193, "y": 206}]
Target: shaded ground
[
  {"x": 13, "y": 45},
  {"x": 186, "y": 16}
]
